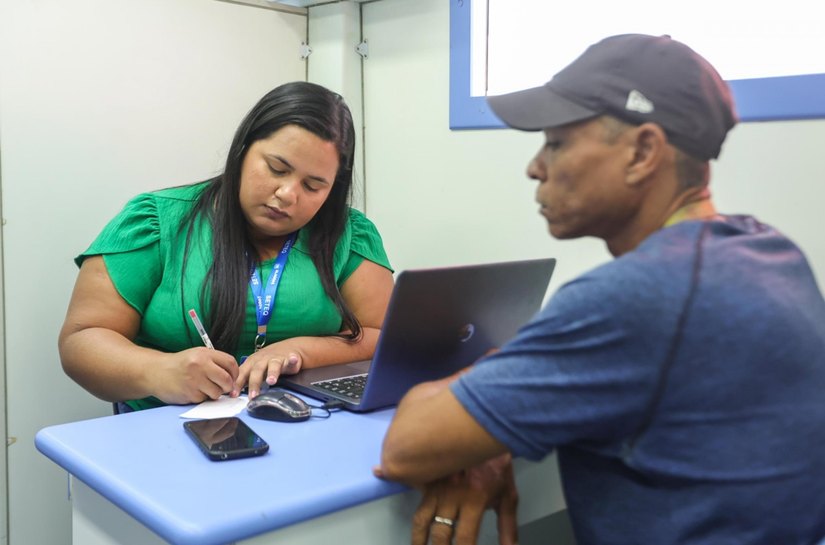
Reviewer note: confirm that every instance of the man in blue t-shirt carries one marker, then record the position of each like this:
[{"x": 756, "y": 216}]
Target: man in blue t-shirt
[{"x": 683, "y": 383}]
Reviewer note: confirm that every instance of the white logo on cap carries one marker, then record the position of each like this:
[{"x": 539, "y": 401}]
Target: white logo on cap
[{"x": 637, "y": 102}]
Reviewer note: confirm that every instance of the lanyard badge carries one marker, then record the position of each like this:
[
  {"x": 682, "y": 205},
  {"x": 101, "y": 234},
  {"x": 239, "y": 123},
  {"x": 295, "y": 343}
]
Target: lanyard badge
[{"x": 265, "y": 294}]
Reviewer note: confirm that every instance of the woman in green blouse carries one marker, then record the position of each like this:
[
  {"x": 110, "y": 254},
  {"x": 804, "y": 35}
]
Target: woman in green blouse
[{"x": 282, "y": 272}]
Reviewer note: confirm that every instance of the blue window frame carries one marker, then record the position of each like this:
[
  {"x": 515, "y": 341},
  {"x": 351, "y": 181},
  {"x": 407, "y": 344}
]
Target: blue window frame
[{"x": 759, "y": 99}]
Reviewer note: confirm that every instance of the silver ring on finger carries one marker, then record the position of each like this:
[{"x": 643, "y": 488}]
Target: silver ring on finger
[{"x": 443, "y": 520}]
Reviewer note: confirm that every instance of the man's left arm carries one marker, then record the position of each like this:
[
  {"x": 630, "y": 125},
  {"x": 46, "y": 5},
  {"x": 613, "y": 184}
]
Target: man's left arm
[
  {"x": 461, "y": 470},
  {"x": 432, "y": 435}
]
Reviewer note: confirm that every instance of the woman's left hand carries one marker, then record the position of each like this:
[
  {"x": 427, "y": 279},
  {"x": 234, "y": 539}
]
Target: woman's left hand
[{"x": 265, "y": 366}]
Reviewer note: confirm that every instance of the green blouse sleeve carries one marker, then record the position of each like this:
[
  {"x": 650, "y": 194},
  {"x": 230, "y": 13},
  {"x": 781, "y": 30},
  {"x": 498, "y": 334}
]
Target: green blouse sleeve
[
  {"x": 366, "y": 243},
  {"x": 130, "y": 246}
]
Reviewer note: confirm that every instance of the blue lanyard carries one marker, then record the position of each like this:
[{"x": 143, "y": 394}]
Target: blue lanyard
[{"x": 265, "y": 294}]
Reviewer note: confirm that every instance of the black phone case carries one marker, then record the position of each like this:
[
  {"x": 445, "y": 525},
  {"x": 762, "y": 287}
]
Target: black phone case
[{"x": 219, "y": 455}]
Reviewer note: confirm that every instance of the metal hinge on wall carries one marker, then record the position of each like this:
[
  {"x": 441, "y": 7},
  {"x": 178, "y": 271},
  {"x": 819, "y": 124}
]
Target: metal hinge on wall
[
  {"x": 304, "y": 50},
  {"x": 363, "y": 49}
]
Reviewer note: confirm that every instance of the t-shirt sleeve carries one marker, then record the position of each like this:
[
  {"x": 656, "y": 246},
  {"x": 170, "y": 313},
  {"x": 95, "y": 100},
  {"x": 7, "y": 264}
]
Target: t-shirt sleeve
[
  {"x": 366, "y": 243},
  {"x": 130, "y": 246},
  {"x": 578, "y": 372}
]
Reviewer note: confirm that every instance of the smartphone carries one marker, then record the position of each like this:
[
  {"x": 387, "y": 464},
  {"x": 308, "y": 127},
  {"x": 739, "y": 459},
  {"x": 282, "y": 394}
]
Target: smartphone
[{"x": 225, "y": 438}]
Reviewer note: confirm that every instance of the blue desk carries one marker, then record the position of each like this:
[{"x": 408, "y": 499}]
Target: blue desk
[{"x": 138, "y": 478}]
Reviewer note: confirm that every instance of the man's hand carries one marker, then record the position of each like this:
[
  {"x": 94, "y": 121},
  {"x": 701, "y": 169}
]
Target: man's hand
[{"x": 463, "y": 498}]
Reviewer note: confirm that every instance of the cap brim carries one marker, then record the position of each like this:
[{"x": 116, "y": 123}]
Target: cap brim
[{"x": 537, "y": 109}]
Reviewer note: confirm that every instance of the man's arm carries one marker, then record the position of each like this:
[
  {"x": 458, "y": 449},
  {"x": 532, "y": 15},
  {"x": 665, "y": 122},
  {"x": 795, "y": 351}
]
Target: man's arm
[
  {"x": 432, "y": 436},
  {"x": 460, "y": 468}
]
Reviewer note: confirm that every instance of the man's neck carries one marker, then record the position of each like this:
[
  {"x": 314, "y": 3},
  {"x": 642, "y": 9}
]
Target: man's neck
[
  {"x": 694, "y": 206},
  {"x": 690, "y": 205}
]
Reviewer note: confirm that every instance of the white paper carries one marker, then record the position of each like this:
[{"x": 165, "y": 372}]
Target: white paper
[{"x": 218, "y": 408}]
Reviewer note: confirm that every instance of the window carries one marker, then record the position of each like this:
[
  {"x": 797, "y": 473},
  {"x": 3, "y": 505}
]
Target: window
[{"x": 770, "y": 52}]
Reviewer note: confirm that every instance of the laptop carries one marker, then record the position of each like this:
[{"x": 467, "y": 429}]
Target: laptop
[{"x": 438, "y": 321}]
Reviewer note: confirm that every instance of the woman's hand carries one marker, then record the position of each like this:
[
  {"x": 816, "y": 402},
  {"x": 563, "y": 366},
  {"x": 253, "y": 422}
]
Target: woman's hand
[
  {"x": 194, "y": 375},
  {"x": 266, "y": 365}
]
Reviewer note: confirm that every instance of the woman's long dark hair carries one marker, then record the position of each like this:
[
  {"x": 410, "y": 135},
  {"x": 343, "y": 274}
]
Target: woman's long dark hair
[{"x": 321, "y": 112}]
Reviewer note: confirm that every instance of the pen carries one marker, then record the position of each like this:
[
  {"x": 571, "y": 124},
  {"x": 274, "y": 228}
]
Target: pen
[{"x": 201, "y": 331}]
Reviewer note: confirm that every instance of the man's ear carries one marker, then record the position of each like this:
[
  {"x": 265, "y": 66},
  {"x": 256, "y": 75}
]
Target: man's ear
[{"x": 650, "y": 149}]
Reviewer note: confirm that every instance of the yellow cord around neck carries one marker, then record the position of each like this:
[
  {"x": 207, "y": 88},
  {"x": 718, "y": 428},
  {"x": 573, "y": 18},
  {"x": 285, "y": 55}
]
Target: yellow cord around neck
[{"x": 696, "y": 210}]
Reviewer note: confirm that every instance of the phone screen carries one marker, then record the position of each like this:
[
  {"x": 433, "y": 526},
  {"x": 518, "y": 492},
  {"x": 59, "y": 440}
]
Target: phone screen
[{"x": 226, "y": 438}]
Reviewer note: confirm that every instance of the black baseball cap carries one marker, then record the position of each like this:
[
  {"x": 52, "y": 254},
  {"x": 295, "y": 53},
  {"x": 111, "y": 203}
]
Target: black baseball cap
[{"x": 636, "y": 78}]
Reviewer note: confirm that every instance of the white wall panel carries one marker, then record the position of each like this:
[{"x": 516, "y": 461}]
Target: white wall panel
[{"x": 99, "y": 100}]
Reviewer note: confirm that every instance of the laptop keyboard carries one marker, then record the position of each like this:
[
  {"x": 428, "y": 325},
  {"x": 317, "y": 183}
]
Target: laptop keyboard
[{"x": 351, "y": 387}]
